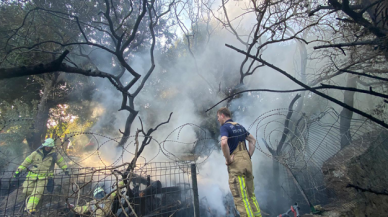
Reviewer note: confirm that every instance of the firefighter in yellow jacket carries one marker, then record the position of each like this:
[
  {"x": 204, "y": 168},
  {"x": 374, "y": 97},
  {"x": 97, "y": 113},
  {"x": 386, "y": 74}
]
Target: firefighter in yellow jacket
[
  {"x": 43, "y": 161},
  {"x": 238, "y": 161},
  {"x": 100, "y": 206}
]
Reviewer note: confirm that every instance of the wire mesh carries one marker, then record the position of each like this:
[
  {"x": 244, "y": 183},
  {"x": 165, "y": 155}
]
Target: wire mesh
[
  {"x": 315, "y": 166},
  {"x": 155, "y": 189}
]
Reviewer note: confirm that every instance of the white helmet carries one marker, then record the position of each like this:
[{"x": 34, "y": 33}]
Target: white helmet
[{"x": 48, "y": 143}]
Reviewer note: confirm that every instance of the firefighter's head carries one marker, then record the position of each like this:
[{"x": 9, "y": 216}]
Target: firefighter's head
[
  {"x": 98, "y": 193},
  {"x": 223, "y": 114},
  {"x": 48, "y": 144}
]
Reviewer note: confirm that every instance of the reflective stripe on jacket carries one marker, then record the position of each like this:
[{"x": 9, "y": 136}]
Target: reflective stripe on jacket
[
  {"x": 99, "y": 208},
  {"x": 42, "y": 167}
]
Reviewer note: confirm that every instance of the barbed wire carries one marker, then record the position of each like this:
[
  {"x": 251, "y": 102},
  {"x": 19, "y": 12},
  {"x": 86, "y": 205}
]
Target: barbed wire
[
  {"x": 310, "y": 143},
  {"x": 166, "y": 179}
]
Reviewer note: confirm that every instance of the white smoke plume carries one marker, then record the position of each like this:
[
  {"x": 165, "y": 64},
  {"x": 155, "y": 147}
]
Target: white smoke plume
[{"x": 183, "y": 88}]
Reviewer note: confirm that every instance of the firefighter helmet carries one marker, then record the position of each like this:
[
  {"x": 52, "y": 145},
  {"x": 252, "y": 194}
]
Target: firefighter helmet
[
  {"x": 99, "y": 192},
  {"x": 48, "y": 143}
]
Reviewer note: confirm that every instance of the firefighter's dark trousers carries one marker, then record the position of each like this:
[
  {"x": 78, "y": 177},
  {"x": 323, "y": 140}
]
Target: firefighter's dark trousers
[{"x": 241, "y": 183}]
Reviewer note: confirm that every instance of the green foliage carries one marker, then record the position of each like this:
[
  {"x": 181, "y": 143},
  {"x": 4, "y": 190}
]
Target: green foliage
[
  {"x": 38, "y": 26},
  {"x": 16, "y": 122},
  {"x": 35, "y": 28},
  {"x": 11, "y": 154},
  {"x": 64, "y": 120}
]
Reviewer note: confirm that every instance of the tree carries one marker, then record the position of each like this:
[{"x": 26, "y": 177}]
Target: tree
[
  {"x": 276, "y": 22},
  {"x": 49, "y": 90},
  {"x": 107, "y": 27},
  {"x": 320, "y": 24},
  {"x": 287, "y": 24},
  {"x": 363, "y": 40}
]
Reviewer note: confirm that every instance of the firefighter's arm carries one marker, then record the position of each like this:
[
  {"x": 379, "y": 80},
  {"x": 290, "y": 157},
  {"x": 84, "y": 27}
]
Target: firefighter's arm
[
  {"x": 225, "y": 149},
  {"x": 82, "y": 209},
  {"x": 62, "y": 164},
  {"x": 252, "y": 144},
  {"x": 114, "y": 193},
  {"x": 27, "y": 162}
]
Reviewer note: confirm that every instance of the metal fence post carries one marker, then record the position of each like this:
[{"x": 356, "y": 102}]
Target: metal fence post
[
  {"x": 148, "y": 180},
  {"x": 195, "y": 189}
]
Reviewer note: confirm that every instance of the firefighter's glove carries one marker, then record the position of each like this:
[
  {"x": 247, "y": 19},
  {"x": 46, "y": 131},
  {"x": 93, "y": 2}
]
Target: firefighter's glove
[
  {"x": 69, "y": 206},
  {"x": 142, "y": 194},
  {"x": 17, "y": 174}
]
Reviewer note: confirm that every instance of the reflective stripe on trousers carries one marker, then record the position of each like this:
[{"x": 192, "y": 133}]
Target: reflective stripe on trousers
[
  {"x": 245, "y": 196},
  {"x": 33, "y": 188},
  {"x": 241, "y": 183}
]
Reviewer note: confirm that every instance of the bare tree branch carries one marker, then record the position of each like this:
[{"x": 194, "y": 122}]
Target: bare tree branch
[
  {"x": 365, "y": 75},
  {"x": 53, "y": 66},
  {"x": 323, "y": 87},
  {"x": 370, "y": 117},
  {"x": 329, "y": 7},
  {"x": 358, "y": 18},
  {"x": 340, "y": 45}
]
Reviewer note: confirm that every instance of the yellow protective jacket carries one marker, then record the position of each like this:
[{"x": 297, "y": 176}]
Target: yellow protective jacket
[
  {"x": 99, "y": 208},
  {"x": 42, "y": 167}
]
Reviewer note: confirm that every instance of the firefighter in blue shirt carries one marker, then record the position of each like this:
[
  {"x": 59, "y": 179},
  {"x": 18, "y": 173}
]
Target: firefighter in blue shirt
[{"x": 238, "y": 161}]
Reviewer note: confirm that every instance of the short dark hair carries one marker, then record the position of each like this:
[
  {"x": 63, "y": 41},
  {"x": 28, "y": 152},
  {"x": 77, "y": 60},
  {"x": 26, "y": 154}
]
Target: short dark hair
[{"x": 225, "y": 111}]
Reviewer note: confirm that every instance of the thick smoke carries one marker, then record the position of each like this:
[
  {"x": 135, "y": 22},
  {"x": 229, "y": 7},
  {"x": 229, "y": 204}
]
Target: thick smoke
[{"x": 187, "y": 87}]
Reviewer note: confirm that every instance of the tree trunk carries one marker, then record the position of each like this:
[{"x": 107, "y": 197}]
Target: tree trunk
[
  {"x": 303, "y": 65},
  {"x": 346, "y": 115},
  {"x": 127, "y": 130},
  {"x": 276, "y": 185},
  {"x": 286, "y": 129},
  {"x": 42, "y": 116},
  {"x": 277, "y": 153}
]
